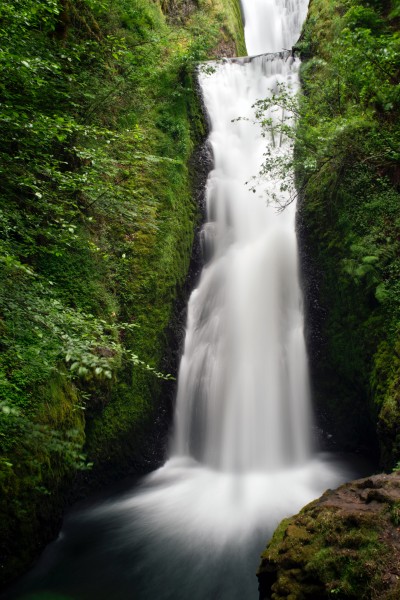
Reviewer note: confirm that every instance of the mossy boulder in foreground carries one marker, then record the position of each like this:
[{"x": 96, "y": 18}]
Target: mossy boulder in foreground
[{"x": 346, "y": 544}]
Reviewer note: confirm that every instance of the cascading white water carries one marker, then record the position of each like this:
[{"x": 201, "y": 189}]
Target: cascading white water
[
  {"x": 243, "y": 398},
  {"x": 243, "y": 401},
  {"x": 241, "y": 457},
  {"x": 272, "y": 25}
]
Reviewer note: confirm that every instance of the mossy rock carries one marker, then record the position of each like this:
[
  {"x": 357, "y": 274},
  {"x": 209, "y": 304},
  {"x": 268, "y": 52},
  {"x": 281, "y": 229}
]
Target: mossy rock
[{"x": 344, "y": 545}]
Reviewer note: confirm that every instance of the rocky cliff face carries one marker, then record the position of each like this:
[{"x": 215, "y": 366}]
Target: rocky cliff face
[{"x": 344, "y": 545}]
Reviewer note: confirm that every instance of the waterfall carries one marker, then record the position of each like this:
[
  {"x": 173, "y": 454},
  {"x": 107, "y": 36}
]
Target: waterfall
[
  {"x": 241, "y": 457},
  {"x": 272, "y": 25},
  {"x": 243, "y": 400},
  {"x": 243, "y": 393}
]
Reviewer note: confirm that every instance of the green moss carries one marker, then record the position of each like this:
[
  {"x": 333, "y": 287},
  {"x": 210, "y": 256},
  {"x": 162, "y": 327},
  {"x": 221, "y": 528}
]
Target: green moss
[
  {"x": 395, "y": 513},
  {"x": 97, "y": 222},
  {"x": 42, "y": 455},
  {"x": 350, "y": 217},
  {"x": 234, "y": 26},
  {"x": 321, "y": 554}
]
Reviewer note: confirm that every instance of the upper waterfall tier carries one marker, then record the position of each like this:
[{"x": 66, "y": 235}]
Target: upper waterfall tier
[{"x": 272, "y": 25}]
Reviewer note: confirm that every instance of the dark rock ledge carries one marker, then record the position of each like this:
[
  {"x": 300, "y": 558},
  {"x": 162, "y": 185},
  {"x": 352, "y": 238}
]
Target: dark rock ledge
[{"x": 344, "y": 545}]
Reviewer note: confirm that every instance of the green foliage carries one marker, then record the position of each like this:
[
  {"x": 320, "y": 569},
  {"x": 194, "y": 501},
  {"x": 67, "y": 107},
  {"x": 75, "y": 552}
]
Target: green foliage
[
  {"x": 345, "y": 166},
  {"x": 98, "y": 119},
  {"x": 277, "y": 116}
]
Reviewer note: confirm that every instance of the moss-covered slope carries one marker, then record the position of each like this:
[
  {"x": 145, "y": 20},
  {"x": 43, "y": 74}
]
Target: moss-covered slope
[
  {"x": 99, "y": 118},
  {"x": 347, "y": 162}
]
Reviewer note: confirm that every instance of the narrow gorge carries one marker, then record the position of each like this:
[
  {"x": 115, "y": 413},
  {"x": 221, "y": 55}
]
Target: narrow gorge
[{"x": 285, "y": 381}]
